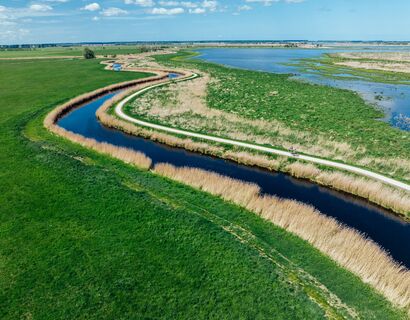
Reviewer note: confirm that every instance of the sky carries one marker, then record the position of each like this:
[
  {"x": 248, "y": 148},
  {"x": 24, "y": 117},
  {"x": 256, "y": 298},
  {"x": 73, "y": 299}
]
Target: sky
[{"x": 56, "y": 21}]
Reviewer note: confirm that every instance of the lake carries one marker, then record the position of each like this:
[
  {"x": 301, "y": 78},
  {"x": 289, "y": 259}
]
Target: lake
[{"x": 396, "y": 98}]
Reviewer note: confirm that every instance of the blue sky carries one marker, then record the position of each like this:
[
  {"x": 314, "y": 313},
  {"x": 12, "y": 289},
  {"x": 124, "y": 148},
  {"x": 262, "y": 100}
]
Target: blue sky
[{"x": 39, "y": 21}]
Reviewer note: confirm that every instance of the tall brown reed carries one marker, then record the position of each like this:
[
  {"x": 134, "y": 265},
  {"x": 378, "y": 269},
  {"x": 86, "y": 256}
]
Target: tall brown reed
[
  {"x": 374, "y": 191},
  {"x": 344, "y": 245},
  {"x": 127, "y": 155}
]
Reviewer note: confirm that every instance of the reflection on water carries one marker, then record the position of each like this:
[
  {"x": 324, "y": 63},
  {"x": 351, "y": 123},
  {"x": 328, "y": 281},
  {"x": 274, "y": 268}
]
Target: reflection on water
[
  {"x": 385, "y": 229},
  {"x": 393, "y": 99}
]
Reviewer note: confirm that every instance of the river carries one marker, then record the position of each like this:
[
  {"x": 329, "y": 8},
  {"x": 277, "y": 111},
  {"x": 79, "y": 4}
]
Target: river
[{"x": 378, "y": 224}]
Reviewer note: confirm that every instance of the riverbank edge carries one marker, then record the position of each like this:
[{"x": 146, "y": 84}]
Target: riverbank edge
[
  {"x": 137, "y": 159},
  {"x": 330, "y": 226},
  {"x": 390, "y": 267},
  {"x": 376, "y": 192}
]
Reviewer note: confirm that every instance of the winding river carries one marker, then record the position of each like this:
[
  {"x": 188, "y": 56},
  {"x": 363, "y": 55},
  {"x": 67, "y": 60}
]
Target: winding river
[{"x": 378, "y": 224}]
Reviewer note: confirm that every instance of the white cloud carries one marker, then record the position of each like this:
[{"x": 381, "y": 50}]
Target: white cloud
[
  {"x": 91, "y": 7},
  {"x": 142, "y": 3},
  {"x": 269, "y": 2},
  {"x": 164, "y": 11},
  {"x": 13, "y": 34},
  {"x": 11, "y": 19},
  {"x": 210, "y": 5},
  {"x": 193, "y": 7},
  {"x": 95, "y": 18},
  {"x": 188, "y": 4},
  {"x": 245, "y": 7},
  {"x": 113, "y": 12},
  {"x": 197, "y": 10},
  {"x": 184, "y": 4},
  {"x": 40, "y": 7},
  {"x": 7, "y": 23},
  {"x": 169, "y": 3}
]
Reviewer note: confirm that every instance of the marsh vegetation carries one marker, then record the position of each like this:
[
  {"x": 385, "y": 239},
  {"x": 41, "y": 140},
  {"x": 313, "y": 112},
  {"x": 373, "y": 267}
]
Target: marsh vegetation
[
  {"x": 194, "y": 106},
  {"x": 85, "y": 235}
]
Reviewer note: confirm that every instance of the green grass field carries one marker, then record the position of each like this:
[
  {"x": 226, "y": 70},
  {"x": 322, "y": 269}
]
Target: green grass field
[
  {"x": 327, "y": 66},
  {"x": 67, "y": 51},
  {"x": 320, "y": 113},
  {"x": 84, "y": 236}
]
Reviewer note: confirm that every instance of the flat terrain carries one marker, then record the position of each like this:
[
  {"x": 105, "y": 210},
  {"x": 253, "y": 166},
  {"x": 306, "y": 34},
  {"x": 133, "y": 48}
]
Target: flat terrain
[
  {"x": 85, "y": 236},
  {"x": 385, "y": 61},
  {"x": 272, "y": 110},
  {"x": 67, "y": 51},
  {"x": 383, "y": 67}
]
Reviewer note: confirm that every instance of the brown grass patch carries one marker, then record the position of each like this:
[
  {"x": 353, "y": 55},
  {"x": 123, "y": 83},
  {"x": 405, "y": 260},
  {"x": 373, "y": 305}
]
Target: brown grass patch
[
  {"x": 371, "y": 190},
  {"x": 127, "y": 155},
  {"x": 344, "y": 245},
  {"x": 185, "y": 107}
]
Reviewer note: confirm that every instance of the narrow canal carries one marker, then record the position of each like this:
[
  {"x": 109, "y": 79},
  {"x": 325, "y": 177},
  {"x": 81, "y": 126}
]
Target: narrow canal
[{"x": 378, "y": 224}]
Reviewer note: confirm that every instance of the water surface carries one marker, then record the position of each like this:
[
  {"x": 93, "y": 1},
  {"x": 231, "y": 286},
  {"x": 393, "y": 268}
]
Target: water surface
[
  {"x": 385, "y": 229},
  {"x": 395, "y": 101}
]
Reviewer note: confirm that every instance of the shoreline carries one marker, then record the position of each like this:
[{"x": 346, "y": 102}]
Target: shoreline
[{"x": 396, "y": 270}]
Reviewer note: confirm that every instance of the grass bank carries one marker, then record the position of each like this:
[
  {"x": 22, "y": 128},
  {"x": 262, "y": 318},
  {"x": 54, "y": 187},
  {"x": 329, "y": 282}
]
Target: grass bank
[
  {"x": 75, "y": 51},
  {"x": 184, "y": 106},
  {"x": 334, "y": 65},
  {"x": 396, "y": 200},
  {"x": 320, "y": 120},
  {"x": 345, "y": 246},
  {"x": 85, "y": 235}
]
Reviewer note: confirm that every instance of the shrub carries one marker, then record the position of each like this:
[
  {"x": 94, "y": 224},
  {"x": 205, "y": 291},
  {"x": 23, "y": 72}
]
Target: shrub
[{"x": 88, "y": 54}]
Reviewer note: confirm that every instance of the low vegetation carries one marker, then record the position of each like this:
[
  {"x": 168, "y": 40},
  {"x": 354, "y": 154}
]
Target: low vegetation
[
  {"x": 320, "y": 120},
  {"x": 183, "y": 105},
  {"x": 386, "y": 67},
  {"x": 85, "y": 235},
  {"x": 346, "y": 246},
  {"x": 385, "y": 61},
  {"x": 67, "y": 51}
]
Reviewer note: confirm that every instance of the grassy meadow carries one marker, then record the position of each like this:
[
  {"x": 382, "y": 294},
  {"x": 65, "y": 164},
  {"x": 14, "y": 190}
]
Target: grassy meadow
[
  {"x": 67, "y": 51},
  {"x": 320, "y": 120},
  {"x": 328, "y": 66},
  {"x": 85, "y": 236}
]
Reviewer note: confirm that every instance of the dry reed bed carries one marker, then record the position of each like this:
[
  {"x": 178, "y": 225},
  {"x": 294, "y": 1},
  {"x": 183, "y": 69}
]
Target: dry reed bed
[
  {"x": 344, "y": 245},
  {"x": 376, "y": 192},
  {"x": 241, "y": 157},
  {"x": 373, "y": 191},
  {"x": 127, "y": 155},
  {"x": 188, "y": 97}
]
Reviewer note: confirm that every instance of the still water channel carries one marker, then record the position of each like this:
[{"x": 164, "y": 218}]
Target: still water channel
[{"x": 378, "y": 224}]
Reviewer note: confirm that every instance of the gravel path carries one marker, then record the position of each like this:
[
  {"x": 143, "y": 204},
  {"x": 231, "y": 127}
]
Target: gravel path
[{"x": 363, "y": 172}]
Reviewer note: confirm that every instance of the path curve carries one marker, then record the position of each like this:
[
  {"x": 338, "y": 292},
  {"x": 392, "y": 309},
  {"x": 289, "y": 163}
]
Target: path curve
[{"x": 363, "y": 172}]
